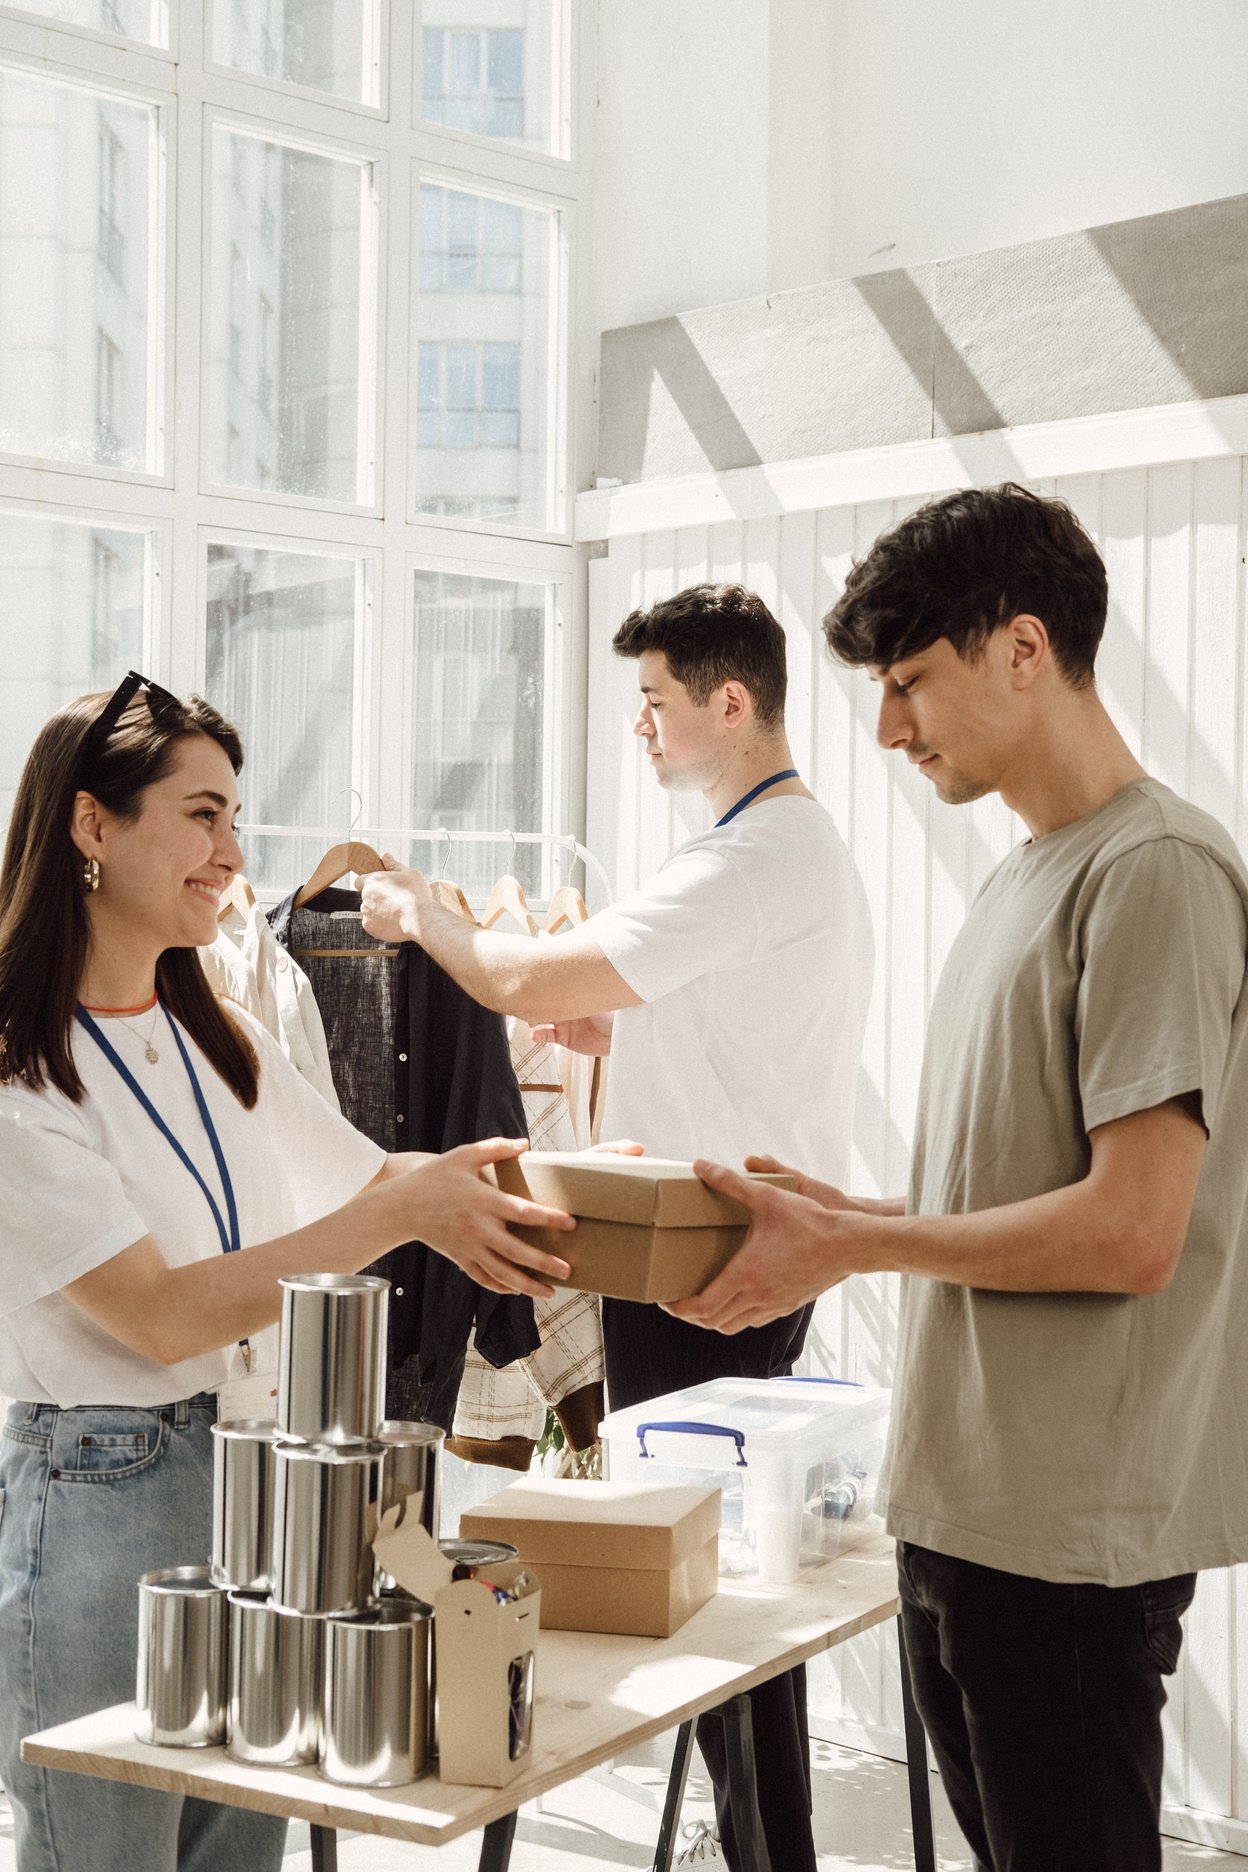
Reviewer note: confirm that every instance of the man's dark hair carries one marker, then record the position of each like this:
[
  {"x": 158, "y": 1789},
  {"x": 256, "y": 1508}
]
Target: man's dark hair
[
  {"x": 713, "y": 634},
  {"x": 963, "y": 566}
]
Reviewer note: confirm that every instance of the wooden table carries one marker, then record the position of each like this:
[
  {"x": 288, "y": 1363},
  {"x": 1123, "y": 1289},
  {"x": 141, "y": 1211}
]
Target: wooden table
[{"x": 596, "y": 1697}]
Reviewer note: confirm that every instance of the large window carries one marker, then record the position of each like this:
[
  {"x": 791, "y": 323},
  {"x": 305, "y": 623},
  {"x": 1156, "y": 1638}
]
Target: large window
[{"x": 284, "y": 409}]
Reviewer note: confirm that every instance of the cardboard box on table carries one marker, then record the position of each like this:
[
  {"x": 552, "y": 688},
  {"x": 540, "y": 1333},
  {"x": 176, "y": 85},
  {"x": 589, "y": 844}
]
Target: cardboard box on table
[
  {"x": 634, "y": 1557},
  {"x": 483, "y": 1652},
  {"x": 647, "y": 1228}
]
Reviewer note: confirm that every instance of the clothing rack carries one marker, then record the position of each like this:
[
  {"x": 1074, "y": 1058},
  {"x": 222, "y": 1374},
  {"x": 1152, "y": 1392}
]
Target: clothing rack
[{"x": 379, "y": 836}]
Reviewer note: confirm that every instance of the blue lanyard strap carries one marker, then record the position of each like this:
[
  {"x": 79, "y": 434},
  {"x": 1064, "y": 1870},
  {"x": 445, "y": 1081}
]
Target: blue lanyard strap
[
  {"x": 790, "y": 773},
  {"x": 230, "y": 1240}
]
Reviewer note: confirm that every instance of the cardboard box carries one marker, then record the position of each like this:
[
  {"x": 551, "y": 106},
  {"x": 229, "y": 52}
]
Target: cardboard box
[
  {"x": 485, "y": 1654},
  {"x": 647, "y": 1229},
  {"x": 637, "y": 1557}
]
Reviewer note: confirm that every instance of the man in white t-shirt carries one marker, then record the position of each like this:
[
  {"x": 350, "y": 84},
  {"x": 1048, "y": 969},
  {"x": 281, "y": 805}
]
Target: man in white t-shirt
[{"x": 731, "y": 993}]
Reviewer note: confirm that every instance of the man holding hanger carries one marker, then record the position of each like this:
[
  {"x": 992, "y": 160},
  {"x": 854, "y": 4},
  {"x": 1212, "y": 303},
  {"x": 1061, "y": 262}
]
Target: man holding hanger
[{"x": 730, "y": 992}]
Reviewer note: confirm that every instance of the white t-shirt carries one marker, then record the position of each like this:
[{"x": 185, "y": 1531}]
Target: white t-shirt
[
  {"x": 78, "y": 1183},
  {"x": 752, "y": 951}
]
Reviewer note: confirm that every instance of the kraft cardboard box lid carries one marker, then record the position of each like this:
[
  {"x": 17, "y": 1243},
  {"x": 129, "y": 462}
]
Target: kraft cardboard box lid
[
  {"x": 598, "y": 1524},
  {"x": 653, "y": 1192}
]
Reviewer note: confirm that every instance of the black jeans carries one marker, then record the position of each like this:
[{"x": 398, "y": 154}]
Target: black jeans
[
  {"x": 1043, "y": 1707},
  {"x": 649, "y": 1353}
]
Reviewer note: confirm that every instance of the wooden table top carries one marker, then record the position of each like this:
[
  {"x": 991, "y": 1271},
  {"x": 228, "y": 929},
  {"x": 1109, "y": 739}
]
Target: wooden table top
[{"x": 597, "y": 1696}]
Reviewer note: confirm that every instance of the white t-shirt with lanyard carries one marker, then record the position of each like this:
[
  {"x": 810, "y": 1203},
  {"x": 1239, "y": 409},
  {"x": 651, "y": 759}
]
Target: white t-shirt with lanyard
[
  {"x": 753, "y": 954},
  {"x": 80, "y": 1182}
]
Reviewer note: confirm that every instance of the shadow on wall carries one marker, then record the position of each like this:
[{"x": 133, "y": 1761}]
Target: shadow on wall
[{"x": 1132, "y": 315}]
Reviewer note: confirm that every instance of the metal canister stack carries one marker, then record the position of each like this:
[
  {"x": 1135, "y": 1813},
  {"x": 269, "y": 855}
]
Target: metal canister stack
[{"x": 293, "y": 1644}]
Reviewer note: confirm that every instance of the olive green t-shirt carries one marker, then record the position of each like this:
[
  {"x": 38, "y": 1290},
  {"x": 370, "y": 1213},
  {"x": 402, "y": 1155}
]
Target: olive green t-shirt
[{"x": 1083, "y": 1436}]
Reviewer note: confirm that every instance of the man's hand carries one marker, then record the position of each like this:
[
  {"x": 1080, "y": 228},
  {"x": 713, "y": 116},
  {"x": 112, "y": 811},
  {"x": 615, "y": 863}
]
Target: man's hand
[
  {"x": 825, "y": 1194},
  {"x": 388, "y": 898},
  {"x": 591, "y": 1034},
  {"x": 788, "y": 1256}
]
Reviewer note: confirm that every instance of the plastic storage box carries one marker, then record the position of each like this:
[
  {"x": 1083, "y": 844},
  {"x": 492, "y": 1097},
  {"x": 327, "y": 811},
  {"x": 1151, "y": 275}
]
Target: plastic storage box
[{"x": 796, "y": 1459}]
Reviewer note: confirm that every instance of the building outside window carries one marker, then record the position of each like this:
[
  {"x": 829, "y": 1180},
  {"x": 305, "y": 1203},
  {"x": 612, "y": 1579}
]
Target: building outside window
[{"x": 372, "y": 572}]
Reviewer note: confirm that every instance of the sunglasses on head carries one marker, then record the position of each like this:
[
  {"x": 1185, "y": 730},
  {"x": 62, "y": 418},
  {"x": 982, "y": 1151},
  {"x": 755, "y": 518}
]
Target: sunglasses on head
[{"x": 159, "y": 701}]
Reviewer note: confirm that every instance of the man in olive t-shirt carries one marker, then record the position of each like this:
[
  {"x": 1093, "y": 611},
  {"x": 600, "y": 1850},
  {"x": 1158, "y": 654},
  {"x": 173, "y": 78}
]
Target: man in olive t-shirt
[{"x": 1070, "y": 1429}]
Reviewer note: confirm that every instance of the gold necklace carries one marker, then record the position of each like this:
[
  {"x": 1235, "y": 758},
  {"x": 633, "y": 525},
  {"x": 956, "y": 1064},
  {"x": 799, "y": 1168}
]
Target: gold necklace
[{"x": 149, "y": 1051}]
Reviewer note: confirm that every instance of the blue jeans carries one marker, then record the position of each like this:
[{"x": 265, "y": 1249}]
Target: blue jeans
[
  {"x": 1043, "y": 1706},
  {"x": 89, "y": 1499}
]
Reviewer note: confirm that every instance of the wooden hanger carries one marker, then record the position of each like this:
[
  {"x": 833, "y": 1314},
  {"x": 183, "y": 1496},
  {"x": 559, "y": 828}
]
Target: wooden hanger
[
  {"x": 237, "y": 895},
  {"x": 337, "y": 862},
  {"x": 508, "y": 897},
  {"x": 566, "y": 906},
  {"x": 451, "y": 898}
]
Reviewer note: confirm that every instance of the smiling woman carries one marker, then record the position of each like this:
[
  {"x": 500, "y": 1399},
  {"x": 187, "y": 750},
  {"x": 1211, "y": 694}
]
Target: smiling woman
[{"x": 162, "y": 1166}]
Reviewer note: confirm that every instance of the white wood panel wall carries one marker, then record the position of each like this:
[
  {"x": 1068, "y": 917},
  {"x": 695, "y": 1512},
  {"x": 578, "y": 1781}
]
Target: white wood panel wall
[{"x": 1174, "y": 673}]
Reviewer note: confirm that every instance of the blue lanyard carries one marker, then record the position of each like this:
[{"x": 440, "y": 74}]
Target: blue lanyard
[
  {"x": 230, "y": 1240},
  {"x": 790, "y": 773}
]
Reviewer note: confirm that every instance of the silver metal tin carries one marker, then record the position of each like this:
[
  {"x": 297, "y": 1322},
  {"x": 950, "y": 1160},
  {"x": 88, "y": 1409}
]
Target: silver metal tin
[
  {"x": 478, "y": 1553},
  {"x": 324, "y": 1519},
  {"x": 277, "y": 1666},
  {"x": 410, "y": 1472},
  {"x": 181, "y": 1678},
  {"x": 242, "y": 1502},
  {"x": 331, "y": 1357},
  {"x": 377, "y": 1718}
]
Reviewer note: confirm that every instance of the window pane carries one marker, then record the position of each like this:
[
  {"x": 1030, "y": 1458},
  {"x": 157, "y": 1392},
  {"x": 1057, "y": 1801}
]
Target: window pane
[
  {"x": 324, "y": 44},
  {"x": 282, "y": 630},
  {"x": 477, "y": 734},
  {"x": 131, "y": 19},
  {"x": 75, "y": 182},
  {"x": 491, "y": 260},
  {"x": 72, "y": 595},
  {"x": 286, "y": 297},
  {"x": 497, "y": 79}
]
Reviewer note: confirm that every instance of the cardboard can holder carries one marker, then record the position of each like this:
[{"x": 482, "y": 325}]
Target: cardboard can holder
[{"x": 485, "y": 1653}]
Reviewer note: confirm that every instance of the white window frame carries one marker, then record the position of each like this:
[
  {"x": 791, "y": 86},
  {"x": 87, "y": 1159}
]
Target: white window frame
[{"x": 182, "y": 511}]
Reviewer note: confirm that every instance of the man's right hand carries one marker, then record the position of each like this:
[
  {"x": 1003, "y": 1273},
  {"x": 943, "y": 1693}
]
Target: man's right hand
[
  {"x": 591, "y": 1034},
  {"x": 465, "y": 1217}
]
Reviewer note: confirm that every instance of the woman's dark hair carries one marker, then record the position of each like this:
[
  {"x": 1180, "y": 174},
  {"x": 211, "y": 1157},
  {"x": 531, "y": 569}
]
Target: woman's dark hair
[
  {"x": 44, "y": 931},
  {"x": 713, "y": 634},
  {"x": 965, "y": 565}
]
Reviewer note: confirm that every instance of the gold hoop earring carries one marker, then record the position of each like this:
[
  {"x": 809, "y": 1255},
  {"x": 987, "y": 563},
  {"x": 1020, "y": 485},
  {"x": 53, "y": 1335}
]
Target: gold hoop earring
[{"x": 91, "y": 875}]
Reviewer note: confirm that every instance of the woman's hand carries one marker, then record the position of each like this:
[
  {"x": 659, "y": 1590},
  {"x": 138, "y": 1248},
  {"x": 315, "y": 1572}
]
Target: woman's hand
[{"x": 469, "y": 1219}]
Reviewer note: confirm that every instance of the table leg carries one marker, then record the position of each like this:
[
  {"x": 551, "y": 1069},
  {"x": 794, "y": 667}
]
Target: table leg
[
  {"x": 916, "y": 1769},
  {"x": 747, "y": 1822},
  {"x": 496, "y": 1844},
  {"x": 676, "y": 1782},
  {"x": 324, "y": 1849}
]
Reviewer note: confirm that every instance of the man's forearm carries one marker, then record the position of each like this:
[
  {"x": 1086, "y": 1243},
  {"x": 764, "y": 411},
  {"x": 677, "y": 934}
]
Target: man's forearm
[
  {"x": 496, "y": 969},
  {"x": 1064, "y": 1241}
]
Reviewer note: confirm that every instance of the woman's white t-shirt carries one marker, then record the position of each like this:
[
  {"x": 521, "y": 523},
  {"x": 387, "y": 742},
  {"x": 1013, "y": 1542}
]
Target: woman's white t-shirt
[{"x": 80, "y": 1182}]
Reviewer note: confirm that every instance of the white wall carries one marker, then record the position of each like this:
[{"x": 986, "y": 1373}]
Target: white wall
[
  {"x": 747, "y": 146},
  {"x": 961, "y": 125}
]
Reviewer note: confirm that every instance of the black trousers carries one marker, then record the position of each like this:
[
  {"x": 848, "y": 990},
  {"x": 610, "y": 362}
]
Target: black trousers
[
  {"x": 1043, "y": 1707},
  {"x": 649, "y": 1353}
]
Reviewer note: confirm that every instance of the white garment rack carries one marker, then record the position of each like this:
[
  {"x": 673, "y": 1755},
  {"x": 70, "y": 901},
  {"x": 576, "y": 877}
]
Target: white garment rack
[{"x": 393, "y": 835}]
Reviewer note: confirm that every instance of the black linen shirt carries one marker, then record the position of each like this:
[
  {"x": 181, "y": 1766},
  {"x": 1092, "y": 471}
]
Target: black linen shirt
[{"x": 418, "y": 1065}]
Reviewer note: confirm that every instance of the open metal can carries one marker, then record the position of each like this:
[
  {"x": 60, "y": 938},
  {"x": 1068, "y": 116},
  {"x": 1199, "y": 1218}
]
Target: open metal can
[
  {"x": 331, "y": 1357},
  {"x": 276, "y": 1683},
  {"x": 377, "y": 1675},
  {"x": 180, "y": 1682}
]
